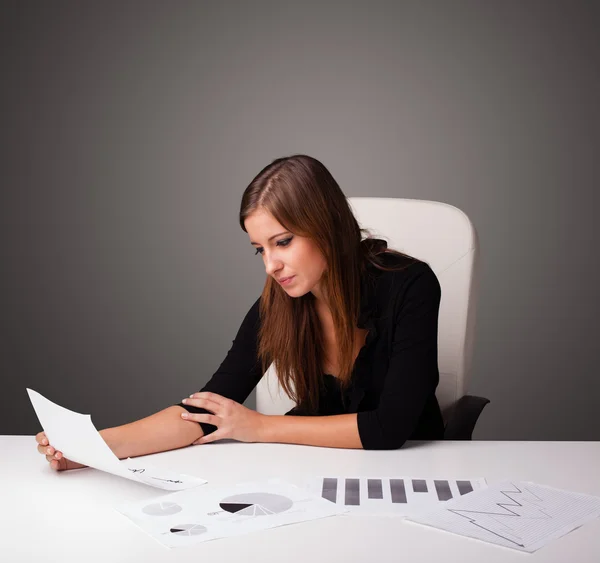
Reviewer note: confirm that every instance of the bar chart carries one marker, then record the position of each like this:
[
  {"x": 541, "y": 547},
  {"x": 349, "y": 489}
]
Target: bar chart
[{"x": 392, "y": 495}]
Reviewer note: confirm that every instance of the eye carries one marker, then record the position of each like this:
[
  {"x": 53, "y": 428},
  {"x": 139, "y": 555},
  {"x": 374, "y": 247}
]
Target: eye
[{"x": 284, "y": 242}]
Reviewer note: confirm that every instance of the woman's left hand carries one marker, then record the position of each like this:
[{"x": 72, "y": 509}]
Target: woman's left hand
[{"x": 232, "y": 420}]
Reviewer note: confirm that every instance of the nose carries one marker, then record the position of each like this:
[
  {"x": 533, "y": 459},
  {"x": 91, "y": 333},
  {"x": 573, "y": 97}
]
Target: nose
[{"x": 272, "y": 264}]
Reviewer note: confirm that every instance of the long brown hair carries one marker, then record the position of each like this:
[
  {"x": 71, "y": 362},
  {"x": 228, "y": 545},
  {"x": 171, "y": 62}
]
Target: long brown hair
[{"x": 302, "y": 195}]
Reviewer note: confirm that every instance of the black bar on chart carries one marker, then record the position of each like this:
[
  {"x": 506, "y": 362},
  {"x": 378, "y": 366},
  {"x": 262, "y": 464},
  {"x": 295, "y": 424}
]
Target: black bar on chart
[
  {"x": 443, "y": 490},
  {"x": 464, "y": 487},
  {"x": 352, "y": 492},
  {"x": 398, "y": 491},
  {"x": 375, "y": 490},
  {"x": 419, "y": 485},
  {"x": 329, "y": 489}
]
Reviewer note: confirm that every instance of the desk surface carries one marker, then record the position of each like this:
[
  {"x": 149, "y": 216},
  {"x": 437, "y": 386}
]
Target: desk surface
[{"x": 71, "y": 514}]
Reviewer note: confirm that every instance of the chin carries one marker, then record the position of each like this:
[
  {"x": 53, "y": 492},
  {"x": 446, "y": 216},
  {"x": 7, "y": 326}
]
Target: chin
[
  {"x": 296, "y": 291},
  {"x": 293, "y": 293}
]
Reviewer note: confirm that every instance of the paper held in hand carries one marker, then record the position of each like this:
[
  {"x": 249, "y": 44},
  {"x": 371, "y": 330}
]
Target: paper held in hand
[{"x": 76, "y": 437}]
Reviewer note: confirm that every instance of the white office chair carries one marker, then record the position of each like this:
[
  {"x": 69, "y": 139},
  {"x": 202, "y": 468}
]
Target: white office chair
[{"x": 444, "y": 237}]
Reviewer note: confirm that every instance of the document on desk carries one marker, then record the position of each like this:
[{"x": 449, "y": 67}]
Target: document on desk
[
  {"x": 211, "y": 512},
  {"x": 398, "y": 495},
  {"x": 517, "y": 514},
  {"x": 76, "y": 437}
]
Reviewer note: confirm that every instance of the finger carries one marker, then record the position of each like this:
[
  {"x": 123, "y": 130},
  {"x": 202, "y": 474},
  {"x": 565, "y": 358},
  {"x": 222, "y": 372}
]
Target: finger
[
  {"x": 207, "y": 404},
  {"x": 45, "y": 450},
  {"x": 210, "y": 438},
  {"x": 59, "y": 465},
  {"x": 198, "y": 441},
  {"x": 40, "y": 438},
  {"x": 209, "y": 418},
  {"x": 219, "y": 399},
  {"x": 54, "y": 455}
]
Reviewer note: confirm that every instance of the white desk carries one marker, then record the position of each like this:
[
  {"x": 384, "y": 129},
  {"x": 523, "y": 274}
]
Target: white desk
[{"x": 47, "y": 515}]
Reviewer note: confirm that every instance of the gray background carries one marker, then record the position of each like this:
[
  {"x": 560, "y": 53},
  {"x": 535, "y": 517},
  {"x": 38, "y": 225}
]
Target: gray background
[{"x": 129, "y": 131}]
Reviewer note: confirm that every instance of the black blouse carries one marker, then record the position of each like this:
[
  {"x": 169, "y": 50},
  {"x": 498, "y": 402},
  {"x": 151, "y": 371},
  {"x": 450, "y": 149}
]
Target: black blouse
[{"x": 395, "y": 375}]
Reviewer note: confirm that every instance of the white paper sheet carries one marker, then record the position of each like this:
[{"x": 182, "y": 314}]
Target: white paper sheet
[
  {"x": 390, "y": 495},
  {"x": 517, "y": 514},
  {"x": 76, "y": 437},
  {"x": 208, "y": 513}
]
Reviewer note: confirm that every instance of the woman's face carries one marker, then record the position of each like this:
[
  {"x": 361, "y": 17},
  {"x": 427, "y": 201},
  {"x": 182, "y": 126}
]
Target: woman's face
[{"x": 293, "y": 261}]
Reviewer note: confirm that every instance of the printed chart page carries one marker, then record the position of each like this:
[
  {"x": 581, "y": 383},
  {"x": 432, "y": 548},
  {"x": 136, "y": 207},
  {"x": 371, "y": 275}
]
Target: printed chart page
[
  {"x": 391, "y": 495},
  {"x": 76, "y": 437},
  {"x": 198, "y": 515},
  {"x": 520, "y": 515}
]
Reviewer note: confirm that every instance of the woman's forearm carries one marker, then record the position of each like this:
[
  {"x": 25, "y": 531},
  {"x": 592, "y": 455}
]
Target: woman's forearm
[
  {"x": 162, "y": 431},
  {"x": 338, "y": 431}
]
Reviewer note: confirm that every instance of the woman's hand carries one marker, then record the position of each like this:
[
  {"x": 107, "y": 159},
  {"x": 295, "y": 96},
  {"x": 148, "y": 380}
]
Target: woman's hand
[
  {"x": 232, "y": 420},
  {"x": 54, "y": 457}
]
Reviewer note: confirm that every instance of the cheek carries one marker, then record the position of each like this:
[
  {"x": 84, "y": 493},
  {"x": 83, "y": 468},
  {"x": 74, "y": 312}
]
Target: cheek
[
  {"x": 317, "y": 263},
  {"x": 307, "y": 261}
]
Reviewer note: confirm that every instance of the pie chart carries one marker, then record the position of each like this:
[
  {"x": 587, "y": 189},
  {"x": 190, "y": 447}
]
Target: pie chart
[
  {"x": 188, "y": 530},
  {"x": 161, "y": 509},
  {"x": 256, "y": 504}
]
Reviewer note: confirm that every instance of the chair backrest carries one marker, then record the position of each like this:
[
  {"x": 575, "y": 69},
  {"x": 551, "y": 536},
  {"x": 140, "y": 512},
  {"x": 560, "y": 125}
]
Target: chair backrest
[{"x": 444, "y": 237}]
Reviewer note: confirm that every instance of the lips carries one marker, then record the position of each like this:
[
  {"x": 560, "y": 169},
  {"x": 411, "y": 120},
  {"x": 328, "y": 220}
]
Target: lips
[{"x": 282, "y": 281}]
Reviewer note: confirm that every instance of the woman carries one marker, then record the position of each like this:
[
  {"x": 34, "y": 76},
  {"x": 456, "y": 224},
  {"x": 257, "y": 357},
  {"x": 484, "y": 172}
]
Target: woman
[{"x": 350, "y": 326}]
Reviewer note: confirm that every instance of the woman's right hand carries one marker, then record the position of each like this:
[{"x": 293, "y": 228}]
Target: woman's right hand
[{"x": 54, "y": 457}]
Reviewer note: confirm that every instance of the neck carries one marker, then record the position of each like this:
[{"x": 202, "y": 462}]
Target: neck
[{"x": 321, "y": 302}]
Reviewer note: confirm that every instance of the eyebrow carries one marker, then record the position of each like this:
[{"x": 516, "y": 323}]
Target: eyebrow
[{"x": 271, "y": 238}]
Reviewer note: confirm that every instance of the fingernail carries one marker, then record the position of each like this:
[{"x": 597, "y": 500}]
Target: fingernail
[
  {"x": 48, "y": 451},
  {"x": 192, "y": 396},
  {"x": 184, "y": 415},
  {"x": 184, "y": 401}
]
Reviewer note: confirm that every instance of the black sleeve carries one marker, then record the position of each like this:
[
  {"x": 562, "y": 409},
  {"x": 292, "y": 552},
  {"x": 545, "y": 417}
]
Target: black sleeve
[
  {"x": 412, "y": 374},
  {"x": 240, "y": 371}
]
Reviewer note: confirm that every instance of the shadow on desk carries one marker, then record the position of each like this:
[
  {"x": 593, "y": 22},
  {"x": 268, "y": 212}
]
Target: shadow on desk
[{"x": 406, "y": 446}]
